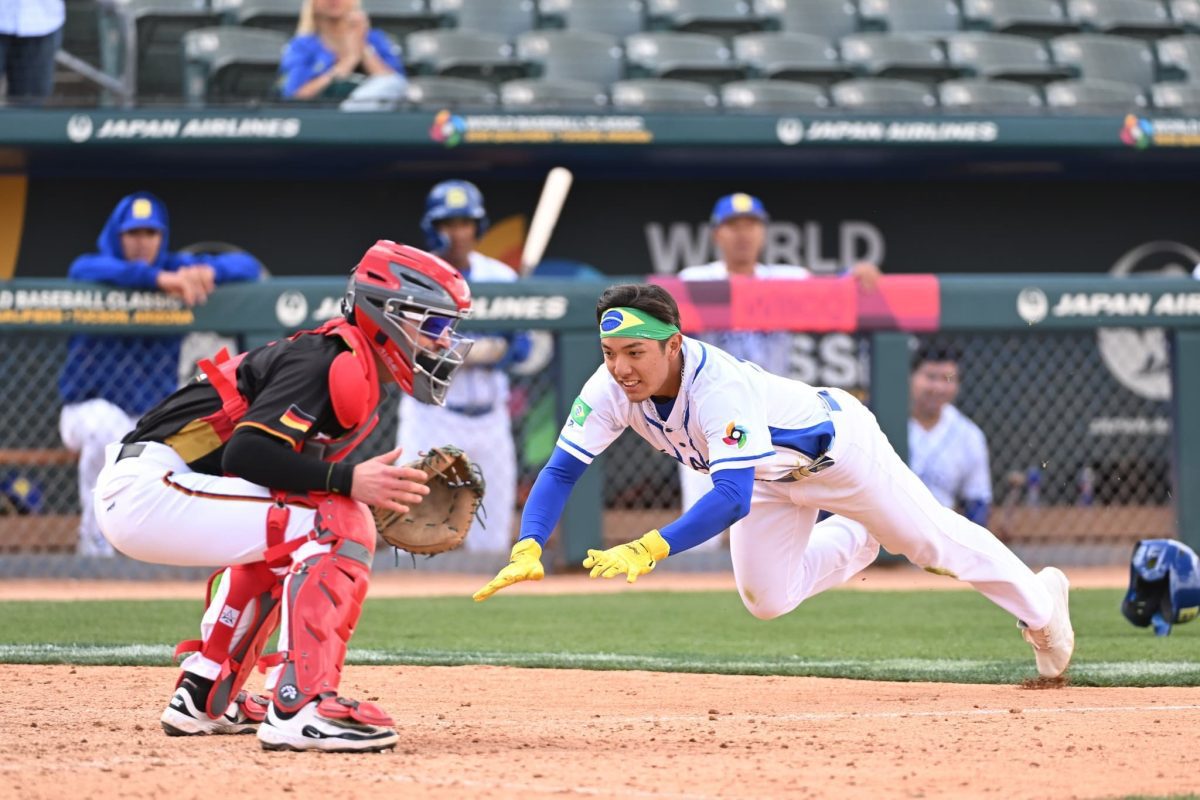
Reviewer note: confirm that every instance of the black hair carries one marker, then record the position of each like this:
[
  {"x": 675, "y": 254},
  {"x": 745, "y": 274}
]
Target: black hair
[
  {"x": 934, "y": 350},
  {"x": 654, "y": 300}
]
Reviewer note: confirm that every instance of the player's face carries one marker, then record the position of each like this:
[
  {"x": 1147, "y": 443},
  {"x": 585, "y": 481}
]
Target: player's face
[
  {"x": 934, "y": 384},
  {"x": 141, "y": 244},
  {"x": 641, "y": 367},
  {"x": 460, "y": 233},
  {"x": 740, "y": 239}
]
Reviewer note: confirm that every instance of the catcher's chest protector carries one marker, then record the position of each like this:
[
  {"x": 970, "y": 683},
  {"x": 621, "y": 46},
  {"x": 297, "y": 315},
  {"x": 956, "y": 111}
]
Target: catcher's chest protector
[{"x": 353, "y": 389}]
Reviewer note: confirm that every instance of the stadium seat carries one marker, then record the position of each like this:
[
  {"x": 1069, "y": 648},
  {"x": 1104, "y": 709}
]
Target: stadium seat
[
  {"x": 1179, "y": 57},
  {"x": 1146, "y": 18},
  {"x": 1110, "y": 58},
  {"x": 1182, "y": 98},
  {"x": 1094, "y": 97},
  {"x": 654, "y": 94},
  {"x": 615, "y": 17},
  {"x": 883, "y": 95},
  {"x": 432, "y": 92},
  {"x": 552, "y": 95},
  {"x": 791, "y": 56},
  {"x": 230, "y": 63},
  {"x": 773, "y": 97},
  {"x": 682, "y": 56},
  {"x": 572, "y": 55},
  {"x": 887, "y": 56},
  {"x": 832, "y": 19},
  {"x": 80, "y": 38},
  {"x": 715, "y": 17},
  {"x": 463, "y": 54},
  {"x": 508, "y": 18},
  {"x": 989, "y": 97},
  {"x": 912, "y": 16},
  {"x": 399, "y": 18},
  {"x": 1041, "y": 18},
  {"x": 1186, "y": 13},
  {"x": 157, "y": 28},
  {"x": 276, "y": 15},
  {"x": 1004, "y": 57}
]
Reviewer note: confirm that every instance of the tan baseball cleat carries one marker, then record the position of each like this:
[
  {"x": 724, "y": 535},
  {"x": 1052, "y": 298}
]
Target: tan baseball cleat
[{"x": 1053, "y": 644}]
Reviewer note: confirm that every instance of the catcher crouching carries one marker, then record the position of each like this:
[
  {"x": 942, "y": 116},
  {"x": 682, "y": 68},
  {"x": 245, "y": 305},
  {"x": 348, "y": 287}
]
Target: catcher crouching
[{"x": 245, "y": 467}]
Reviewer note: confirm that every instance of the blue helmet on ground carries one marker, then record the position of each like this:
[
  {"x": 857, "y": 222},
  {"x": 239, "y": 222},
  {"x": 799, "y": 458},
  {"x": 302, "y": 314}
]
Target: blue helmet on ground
[
  {"x": 452, "y": 200},
  {"x": 1164, "y": 585}
]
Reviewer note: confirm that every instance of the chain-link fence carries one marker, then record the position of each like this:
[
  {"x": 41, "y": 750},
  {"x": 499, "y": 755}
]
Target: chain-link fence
[{"x": 1078, "y": 429}]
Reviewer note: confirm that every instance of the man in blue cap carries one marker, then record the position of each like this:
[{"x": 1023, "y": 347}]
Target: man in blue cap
[
  {"x": 738, "y": 226},
  {"x": 107, "y": 382}
]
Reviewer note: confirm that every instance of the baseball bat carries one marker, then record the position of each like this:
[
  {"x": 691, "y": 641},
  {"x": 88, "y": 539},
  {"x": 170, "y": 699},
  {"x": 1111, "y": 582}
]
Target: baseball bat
[{"x": 545, "y": 217}]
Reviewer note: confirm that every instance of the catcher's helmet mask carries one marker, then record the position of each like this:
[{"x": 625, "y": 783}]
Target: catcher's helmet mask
[{"x": 409, "y": 303}]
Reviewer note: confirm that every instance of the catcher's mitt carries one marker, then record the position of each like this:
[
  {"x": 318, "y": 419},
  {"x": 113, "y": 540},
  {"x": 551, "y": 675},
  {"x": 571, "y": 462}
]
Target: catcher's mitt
[{"x": 441, "y": 520}]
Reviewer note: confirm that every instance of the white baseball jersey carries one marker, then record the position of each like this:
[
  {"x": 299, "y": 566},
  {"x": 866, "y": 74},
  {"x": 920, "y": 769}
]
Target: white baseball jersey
[
  {"x": 729, "y": 413},
  {"x": 770, "y": 350},
  {"x": 951, "y": 458}
]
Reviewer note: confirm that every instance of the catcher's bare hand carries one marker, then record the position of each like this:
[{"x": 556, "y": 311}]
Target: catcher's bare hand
[{"x": 380, "y": 483}]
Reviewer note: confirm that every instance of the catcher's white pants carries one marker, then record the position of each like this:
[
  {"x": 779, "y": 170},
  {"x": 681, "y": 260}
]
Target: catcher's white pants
[
  {"x": 780, "y": 557},
  {"x": 488, "y": 440},
  {"x": 87, "y": 428}
]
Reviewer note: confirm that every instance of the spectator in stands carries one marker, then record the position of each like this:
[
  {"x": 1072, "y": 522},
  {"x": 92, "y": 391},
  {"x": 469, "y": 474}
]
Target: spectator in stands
[
  {"x": 739, "y": 233},
  {"x": 476, "y": 415},
  {"x": 107, "y": 382},
  {"x": 30, "y": 35},
  {"x": 337, "y": 55},
  {"x": 946, "y": 450}
]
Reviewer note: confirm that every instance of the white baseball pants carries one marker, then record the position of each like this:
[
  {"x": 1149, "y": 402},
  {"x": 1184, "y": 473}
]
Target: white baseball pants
[{"x": 780, "y": 557}]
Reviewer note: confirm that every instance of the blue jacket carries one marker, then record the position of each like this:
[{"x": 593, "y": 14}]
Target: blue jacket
[{"x": 134, "y": 372}]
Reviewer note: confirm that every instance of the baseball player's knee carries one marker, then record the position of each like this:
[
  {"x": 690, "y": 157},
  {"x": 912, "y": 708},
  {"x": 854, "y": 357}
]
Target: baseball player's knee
[
  {"x": 766, "y": 605},
  {"x": 349, "y": 522}
]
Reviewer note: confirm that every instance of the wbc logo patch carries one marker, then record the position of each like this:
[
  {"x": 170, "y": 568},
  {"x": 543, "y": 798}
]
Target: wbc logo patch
[{"x": 735, "y": 435}]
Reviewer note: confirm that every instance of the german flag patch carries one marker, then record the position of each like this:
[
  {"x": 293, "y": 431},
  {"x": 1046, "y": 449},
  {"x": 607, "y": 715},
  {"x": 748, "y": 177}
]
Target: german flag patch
[{"x": 296, "y": 419}]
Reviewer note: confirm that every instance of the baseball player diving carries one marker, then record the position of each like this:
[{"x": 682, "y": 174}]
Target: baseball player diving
[
  {"x": 778, "y": 450},
  {"x": 245, "y": 467}
]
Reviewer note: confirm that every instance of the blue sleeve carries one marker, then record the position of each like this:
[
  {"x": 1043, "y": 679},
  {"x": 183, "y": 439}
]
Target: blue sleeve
[
  {"x": 519, "y": 345},
  {"x": 728, "y": 502},
  {"x": 229, "y": 267},
  {"x": 117, "y": 271},
  {"x": 387, "y": 50},
  {"x": 297, "y": 65},
  {"x": 977, "y": 511},
  {"x": 549, "y": 495}
]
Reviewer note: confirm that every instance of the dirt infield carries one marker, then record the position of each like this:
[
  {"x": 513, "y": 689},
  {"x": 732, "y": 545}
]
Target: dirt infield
[{"x": 499, "y": 732}]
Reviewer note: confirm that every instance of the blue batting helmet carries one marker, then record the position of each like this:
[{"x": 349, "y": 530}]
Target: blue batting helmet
[
  {"x": 452, "y": 200},
  {"x": 1164, "y": 585}
]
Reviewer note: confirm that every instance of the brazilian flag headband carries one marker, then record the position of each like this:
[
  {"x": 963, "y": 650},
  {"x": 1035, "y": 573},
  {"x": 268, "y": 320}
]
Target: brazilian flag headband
[{"x": 634, "y": 324}]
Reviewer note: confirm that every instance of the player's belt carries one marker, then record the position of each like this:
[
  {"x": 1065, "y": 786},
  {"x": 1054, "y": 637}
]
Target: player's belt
[
  {"x": 131, "y": 450},
  {"x": 822, "y": 461},
  {"x": 471, "y": 411}
]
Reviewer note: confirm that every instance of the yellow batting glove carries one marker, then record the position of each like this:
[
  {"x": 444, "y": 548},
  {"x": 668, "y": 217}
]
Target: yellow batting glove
[
  {"x": 632, "y": 559},
  {"x": 525, "y": 564}
]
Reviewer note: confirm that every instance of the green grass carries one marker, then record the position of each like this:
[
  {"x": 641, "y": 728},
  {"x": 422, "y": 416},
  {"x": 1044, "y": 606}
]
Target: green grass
[{"x": 944, "y": 636}]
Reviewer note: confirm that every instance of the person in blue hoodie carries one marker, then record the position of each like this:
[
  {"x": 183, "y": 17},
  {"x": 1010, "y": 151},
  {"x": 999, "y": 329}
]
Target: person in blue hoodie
[{"x": 108, "y": 382}]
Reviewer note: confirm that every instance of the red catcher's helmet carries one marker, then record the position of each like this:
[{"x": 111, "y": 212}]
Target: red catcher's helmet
[{"x": 409, "y": 303}]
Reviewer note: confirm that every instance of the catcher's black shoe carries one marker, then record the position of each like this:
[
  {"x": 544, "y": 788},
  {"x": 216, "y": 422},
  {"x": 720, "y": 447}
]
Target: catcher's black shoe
[
  {"x": 185, "y": 715},
  {"x": 330, "y": 724}
]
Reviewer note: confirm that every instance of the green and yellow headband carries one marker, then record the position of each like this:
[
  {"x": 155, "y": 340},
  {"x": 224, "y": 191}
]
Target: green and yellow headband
[{"x": 634, "y": 324}]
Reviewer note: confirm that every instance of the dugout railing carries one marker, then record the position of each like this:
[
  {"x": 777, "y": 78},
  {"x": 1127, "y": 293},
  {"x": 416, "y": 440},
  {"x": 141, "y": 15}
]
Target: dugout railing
[{"x": 1083, "y": 386}]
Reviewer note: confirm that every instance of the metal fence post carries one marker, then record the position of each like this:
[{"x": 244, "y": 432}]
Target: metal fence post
[
  {"x": 1185, "y": 367},
  {"x": 583, "y": 517},
  {"x": 889, "y": 387}
]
